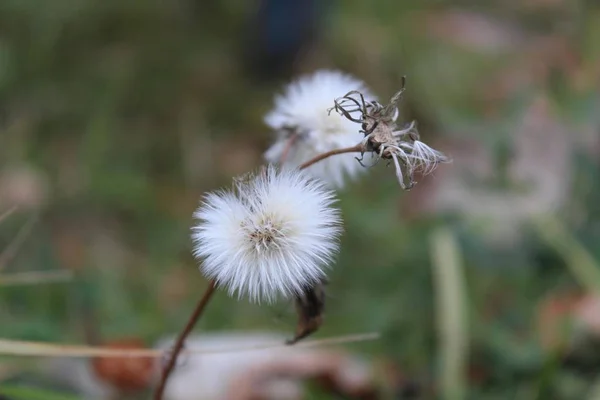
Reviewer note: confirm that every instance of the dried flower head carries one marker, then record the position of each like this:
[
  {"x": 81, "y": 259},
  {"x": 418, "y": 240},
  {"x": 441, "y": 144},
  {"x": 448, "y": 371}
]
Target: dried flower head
[
  {"x": 271, "y": 236},
  {"x": 305, "y": 129},
  {"x": 382, "y": 136}
]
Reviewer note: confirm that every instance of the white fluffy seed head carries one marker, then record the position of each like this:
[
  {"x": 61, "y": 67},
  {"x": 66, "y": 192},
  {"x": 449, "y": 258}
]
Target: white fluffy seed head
[
  {"x": 271, "y": 236},
  {"x": 303, "y": 111}
]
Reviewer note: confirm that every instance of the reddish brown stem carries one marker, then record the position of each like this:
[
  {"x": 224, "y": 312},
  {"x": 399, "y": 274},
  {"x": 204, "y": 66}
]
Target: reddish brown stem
[
  {"x": 359, "y": 148},
  {"x": 158, "y": 394}
]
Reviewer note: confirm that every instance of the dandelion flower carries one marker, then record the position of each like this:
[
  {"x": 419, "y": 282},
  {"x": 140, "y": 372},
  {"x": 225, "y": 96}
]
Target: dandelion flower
[
  {"x": 271, "y": 236},
  {"x": 304, "y": 128}
]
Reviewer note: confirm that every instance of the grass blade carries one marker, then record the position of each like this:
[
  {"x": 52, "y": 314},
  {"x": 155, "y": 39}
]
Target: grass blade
[
  {"x": 452, "y": 318},
  {"x": 40, "y": 349}
]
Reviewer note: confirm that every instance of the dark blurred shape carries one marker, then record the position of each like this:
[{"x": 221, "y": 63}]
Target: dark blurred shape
[
  {"x": 410, "y": 390},
  {"x": 310, "y": 306},
  {"x": 329, "y": 381},
  {"x": 400, "y": 385},
  {"x": 278, "y": 33}
]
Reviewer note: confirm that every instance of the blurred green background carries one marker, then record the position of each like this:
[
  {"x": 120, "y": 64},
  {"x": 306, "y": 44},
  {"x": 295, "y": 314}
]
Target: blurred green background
[{"x": 117, "y": 115}]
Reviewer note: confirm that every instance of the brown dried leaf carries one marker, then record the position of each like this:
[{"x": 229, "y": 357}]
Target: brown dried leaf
[
  {"x": 126, "y": 374},
  {"x": 336, "y": 372}
]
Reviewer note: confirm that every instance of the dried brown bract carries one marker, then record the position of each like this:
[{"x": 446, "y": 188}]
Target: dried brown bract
[
  {"x": 382, "y": 137},
  {"x": 309, "y": 306}
]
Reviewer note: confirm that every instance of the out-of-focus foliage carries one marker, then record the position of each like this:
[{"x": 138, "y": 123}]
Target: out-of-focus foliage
[{"x": 116, "y": 116}]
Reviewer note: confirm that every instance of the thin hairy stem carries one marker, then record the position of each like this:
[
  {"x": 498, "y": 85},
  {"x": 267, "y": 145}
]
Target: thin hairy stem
[
  {"x": 359, "y": 148},
  {"x": 158, "y": 394}
]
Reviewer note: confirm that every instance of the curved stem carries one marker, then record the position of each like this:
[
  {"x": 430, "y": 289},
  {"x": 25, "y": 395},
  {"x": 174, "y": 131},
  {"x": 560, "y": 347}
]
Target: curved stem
[
  {"x": 359, "y": 148},
  {"x": 158, "y": 394}
]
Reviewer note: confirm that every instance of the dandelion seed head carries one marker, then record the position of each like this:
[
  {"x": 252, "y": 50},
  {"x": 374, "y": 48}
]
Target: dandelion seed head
[
  {"x": 271, "y": 236},
  {"x": 302, "y": 112}
]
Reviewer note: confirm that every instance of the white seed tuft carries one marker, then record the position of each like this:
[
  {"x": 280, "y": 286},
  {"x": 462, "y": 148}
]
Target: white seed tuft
[
  {"x": 304, "y": 127},
  {"x": 272, "y": 236}
]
